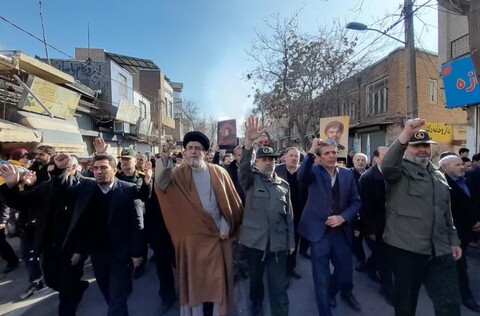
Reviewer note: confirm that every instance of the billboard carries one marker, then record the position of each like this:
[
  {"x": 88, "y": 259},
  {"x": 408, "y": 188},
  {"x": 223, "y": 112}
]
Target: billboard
[
  {"x": 335, "y": 129},
  {"x": 227, "y": 134},
  {"x": 460, "y": 82},
  {"x": 60, "y": 101}
]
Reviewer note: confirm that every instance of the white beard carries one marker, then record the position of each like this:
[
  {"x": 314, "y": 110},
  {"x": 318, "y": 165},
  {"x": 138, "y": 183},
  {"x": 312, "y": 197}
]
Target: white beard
[{"x": 197, "y": 164}]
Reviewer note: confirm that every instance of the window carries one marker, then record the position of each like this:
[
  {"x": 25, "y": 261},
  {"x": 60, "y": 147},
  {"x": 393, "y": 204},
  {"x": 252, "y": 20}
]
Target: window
[
  {"x": 123, "y": 89},
  {"x": 460, "y": 46},
  {"x": 432, "y": 91},
  {"x": 170, "y": 109},
  {"x": 377, "y": 98},
  {"x": 349, "y": 108}
]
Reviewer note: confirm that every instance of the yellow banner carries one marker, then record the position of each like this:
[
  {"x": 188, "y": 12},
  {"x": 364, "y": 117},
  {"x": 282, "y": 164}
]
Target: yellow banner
[
  {"x": 439, "y": 132},
  {"x": 60, "y": 101}
]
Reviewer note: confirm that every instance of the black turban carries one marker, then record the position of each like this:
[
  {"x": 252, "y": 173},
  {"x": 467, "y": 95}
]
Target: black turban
[{"x": 196, "y": 136}]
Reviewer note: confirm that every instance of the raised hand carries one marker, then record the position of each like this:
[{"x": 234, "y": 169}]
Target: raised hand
[
  {"x": 10, "y": 174},
  {"x": 30, "y": 178},
  {"x": 148, "y": 171},
  {"x": 100, "y": 145},
  {"x": 315, "y": 143},
  {"x": 62, "y": 160},
  {"x": 165, "y": 153},
  {"x": 411, "y": 127},
  {"x": 252, "y": 131}
]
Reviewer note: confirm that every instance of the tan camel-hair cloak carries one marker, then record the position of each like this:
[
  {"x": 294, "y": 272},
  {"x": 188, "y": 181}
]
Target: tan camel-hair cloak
[{"x": 204, "y": 261}]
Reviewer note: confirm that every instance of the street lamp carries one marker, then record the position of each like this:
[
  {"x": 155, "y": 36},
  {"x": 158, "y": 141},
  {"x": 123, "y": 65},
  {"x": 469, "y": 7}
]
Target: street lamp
[
  {"x": 410, "y": 62},
  {"x": 357, "y": 26}
]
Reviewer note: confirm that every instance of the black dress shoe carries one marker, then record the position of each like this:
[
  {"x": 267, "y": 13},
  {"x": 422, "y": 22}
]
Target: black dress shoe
[
  {"x": 472, "y": 305},
  {"x": 294, "y": 274},
  {"x": 305, "y": 254},
  {"x": 333, "y": 302},
  {"x": 350, "y": 299},
  {"x": 31, "y": 289}
]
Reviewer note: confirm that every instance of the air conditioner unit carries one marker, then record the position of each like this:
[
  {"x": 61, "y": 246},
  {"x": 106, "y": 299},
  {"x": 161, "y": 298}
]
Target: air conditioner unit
[{"x": 121, "y": 127}]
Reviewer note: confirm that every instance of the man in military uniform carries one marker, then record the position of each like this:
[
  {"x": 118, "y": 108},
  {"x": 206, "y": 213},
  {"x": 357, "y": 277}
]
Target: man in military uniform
[
  {"x": 143, "y": 181},
  {"x": 267, "y": 229},
  {"x": 422, "y": 240},
  {"x": 128, "y": 173}
]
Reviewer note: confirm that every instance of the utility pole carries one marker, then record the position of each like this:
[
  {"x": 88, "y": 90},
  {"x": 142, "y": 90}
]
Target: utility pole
[{"x": 410, "y": 61}]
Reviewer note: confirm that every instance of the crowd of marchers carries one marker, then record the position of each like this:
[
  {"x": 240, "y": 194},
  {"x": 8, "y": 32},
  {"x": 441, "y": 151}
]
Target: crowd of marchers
[{"x": 211, "y": 219}]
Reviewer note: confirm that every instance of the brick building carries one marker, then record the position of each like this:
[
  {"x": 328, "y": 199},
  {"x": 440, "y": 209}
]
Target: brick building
[{"x": 375, "y": 100}]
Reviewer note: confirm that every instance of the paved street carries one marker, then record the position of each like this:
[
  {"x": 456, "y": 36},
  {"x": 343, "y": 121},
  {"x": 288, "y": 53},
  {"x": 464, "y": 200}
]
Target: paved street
[{"x": 145, "y": 301}]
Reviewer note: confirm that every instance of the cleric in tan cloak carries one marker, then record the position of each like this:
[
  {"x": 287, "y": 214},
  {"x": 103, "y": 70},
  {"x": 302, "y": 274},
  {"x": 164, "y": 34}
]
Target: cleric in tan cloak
[{"x": 202, "y": 212}]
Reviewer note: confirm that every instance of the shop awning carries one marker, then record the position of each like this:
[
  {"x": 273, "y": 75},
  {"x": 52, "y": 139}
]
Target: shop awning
[
  {"x": 63, "y": 135},
  {"x": 15, "y": 133}
]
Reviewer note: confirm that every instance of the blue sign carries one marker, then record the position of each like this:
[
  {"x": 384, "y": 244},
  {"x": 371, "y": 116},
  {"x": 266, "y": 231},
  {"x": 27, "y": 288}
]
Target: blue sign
[{"x": 460, "y": 82}]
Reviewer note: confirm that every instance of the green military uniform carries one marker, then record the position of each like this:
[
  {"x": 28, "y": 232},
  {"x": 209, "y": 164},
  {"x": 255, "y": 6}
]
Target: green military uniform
[
  {"x": 138, "y": 177},
  {"x": 419, "y": 231}
]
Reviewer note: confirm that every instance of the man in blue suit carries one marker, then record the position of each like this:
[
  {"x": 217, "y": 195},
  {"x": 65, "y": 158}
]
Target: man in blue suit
[{"x": 333, "y": 202}]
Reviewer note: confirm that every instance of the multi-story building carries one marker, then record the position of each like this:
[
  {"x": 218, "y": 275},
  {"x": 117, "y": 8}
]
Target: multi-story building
[
  {"x": 151, "y": 82},
  {"x": 51, "y": 106},
  {"x": 178, "y": 110},
  {"x": 453, "y": 43},
  {"x": 118, "y": 116},
  {"x": 375, "y": 99}
]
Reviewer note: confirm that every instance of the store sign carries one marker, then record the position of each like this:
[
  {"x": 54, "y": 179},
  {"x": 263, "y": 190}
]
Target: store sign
[
  {"x": 460, "y": 82},
  {"x": 439, "y": 132},
  {"x": 60, "y": 101}
]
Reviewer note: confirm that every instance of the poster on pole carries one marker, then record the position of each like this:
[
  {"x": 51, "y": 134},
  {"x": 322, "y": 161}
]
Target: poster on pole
[
  {"x": 227, "y": 134},
  {"x": 335, "y": 129}
]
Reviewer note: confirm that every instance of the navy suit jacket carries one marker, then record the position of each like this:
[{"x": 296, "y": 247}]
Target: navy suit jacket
[
  {"x": 318, "y": 206},
  {"x": 125, "y": 216}
]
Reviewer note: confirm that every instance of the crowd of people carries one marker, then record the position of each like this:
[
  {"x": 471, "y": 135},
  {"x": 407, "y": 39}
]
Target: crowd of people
[{"x": 212, "y": 218}]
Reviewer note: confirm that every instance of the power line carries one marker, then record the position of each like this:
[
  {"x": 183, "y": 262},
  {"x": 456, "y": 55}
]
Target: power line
[{"x": 74, "y": 59}]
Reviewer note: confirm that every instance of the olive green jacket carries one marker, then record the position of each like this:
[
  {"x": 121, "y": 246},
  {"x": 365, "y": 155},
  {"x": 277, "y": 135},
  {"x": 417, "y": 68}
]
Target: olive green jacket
[
  {"x": 418, "y": 216},
  {"x": 268, "y": 215}
]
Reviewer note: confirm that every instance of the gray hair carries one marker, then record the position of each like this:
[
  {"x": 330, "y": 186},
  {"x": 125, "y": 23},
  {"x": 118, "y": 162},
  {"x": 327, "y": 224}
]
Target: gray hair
[{"x": 448, "y": 159}]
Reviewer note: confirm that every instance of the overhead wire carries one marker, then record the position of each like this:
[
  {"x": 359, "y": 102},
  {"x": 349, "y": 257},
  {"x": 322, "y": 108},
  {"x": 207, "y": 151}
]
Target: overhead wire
[{"x": 79, "y": 61}]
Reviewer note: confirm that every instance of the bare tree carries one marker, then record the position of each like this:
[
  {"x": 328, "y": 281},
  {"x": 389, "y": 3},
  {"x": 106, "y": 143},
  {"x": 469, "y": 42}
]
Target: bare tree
[
  {"x": 471, "y": 9},
  {"x": 292, "y": 69},
  {"x": 195, "y": 120}
]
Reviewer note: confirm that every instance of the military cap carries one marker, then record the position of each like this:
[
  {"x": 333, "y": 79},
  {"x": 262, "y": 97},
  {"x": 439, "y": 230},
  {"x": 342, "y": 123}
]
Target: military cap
[
  {"x": 196, "y": 136},
  {"x": 266, "y": 151},
  {"x": 127, "y": 153},
  {"x": 420, "y": 137}
]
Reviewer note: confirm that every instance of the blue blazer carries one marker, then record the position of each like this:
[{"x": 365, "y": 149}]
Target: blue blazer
[{"x": 317, "y": 208}]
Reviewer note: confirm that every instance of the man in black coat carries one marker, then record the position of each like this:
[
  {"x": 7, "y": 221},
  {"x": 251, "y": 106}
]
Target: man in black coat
[
  {"x": 466, "y": 217},
  {"x": 240, "y": 262},
  {"x": 288, "y": 172},
  {"x": 158, "y": 238},
  {"x": 372, "y": 217},
  {"x": 53, "y": 215},
  {"x": 107, "y": 223}
]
